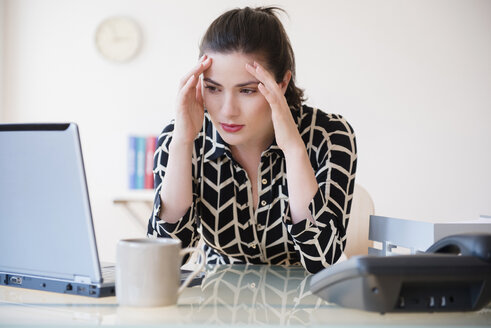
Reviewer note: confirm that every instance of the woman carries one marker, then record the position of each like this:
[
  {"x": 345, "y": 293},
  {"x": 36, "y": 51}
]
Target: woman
[{"x": 261, "y": 177}]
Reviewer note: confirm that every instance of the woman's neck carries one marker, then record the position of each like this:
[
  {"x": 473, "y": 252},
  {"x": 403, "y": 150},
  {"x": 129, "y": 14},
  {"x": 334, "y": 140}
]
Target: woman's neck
[{"x": 251, "y": 151}]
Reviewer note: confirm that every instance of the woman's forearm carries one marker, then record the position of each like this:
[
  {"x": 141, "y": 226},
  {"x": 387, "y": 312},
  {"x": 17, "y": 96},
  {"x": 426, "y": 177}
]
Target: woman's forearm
[
  {"x": 176, "y": 194},
  {"x": 302, "y": 185}
]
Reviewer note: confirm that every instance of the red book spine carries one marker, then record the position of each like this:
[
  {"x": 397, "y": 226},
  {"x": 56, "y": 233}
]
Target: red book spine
[{"x": 149, "y": 151}]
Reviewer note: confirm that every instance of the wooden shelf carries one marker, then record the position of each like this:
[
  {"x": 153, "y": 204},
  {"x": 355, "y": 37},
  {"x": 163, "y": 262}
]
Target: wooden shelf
[
  {"x": 134, "y": 200},
  {"x": 144, "y": 195}
]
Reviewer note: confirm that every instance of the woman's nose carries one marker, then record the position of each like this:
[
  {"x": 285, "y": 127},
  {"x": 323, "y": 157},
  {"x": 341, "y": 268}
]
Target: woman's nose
[{"x": 230, "y": 107}]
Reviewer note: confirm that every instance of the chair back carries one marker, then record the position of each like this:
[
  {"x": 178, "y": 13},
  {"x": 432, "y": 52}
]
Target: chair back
[{"x": 362, "y": 207}]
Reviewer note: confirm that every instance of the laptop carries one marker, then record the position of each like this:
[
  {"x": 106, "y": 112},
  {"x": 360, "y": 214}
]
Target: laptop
[{"x": 47, "y": 239}]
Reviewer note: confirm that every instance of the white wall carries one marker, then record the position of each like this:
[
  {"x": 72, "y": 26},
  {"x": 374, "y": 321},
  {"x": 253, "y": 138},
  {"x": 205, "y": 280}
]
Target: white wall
[{"x": 412, "y": 76}]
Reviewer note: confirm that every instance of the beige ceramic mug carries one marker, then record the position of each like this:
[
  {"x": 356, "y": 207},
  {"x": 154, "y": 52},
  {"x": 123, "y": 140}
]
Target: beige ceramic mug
[{"x": 148, "y": 271}]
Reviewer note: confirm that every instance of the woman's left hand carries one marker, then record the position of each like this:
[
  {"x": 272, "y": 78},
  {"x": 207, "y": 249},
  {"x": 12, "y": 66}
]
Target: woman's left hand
[
  {"x": 302, "y": 184},
  {"x": 285, "y": 129}
]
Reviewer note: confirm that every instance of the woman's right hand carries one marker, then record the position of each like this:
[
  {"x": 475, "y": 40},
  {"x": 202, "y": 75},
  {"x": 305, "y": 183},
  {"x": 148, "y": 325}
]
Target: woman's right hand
[{"x": 189, "y": 107}]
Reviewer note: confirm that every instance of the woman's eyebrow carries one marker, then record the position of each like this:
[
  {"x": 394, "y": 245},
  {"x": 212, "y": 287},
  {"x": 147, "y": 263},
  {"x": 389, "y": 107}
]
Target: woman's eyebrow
[
  {"x": 207, "y": 79},
  {"x": 247, "y": 83}
]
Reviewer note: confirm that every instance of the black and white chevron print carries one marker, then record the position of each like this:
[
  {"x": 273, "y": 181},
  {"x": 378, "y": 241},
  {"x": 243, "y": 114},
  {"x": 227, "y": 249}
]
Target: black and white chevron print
[
  {"x": 258, "y": 295},
  {"x": 222, "y": 212}
]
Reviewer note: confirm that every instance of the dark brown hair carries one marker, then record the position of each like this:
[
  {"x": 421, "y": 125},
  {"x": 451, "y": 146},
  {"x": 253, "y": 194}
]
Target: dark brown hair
[{"x": 256, "y": 31}]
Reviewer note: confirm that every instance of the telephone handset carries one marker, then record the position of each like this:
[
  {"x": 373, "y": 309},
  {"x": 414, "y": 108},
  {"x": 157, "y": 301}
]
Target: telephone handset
[
  {"x": 472, "y": 244},
  {"x": 454, "y": 274}
]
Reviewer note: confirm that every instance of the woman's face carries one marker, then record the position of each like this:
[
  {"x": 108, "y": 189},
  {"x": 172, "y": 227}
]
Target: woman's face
[{"x": 237, "y": 108}]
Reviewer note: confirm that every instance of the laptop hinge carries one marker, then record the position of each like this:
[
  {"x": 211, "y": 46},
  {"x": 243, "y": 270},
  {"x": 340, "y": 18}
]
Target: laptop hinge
[{"x": 82, "y": 279}]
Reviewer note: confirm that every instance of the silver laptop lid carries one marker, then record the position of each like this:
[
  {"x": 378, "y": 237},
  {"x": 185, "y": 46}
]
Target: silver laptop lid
[{"x": 46, "y": 226}]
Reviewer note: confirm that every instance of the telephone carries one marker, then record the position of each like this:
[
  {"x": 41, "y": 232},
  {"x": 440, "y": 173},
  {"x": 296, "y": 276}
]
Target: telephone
[
  {"x": 478, "y": 245},
  {"x": 454, "y": 274}
]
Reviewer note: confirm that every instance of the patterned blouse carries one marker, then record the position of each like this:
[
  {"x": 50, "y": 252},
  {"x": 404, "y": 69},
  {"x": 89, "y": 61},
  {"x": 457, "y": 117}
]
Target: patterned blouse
[{"x": 222, "y": 211}]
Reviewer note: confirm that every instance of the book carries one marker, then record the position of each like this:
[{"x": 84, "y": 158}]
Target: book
[
  {"x": 140, "y": 163},
  {"x": 141, "y": 150},
  {"x": 132, "y": 162},
  {"x": 149, "y": 151}
]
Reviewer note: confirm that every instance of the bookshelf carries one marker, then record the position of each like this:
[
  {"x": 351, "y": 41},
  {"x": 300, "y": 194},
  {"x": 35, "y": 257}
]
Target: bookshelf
[{"x": 137, "y": 202}]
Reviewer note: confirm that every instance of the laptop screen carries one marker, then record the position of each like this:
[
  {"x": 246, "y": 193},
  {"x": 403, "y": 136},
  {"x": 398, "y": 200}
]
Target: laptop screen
[{"x": 45, "y": 216}]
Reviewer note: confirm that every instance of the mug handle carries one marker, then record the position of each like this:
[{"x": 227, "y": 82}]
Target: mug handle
[{"x": 195, "y": 272}]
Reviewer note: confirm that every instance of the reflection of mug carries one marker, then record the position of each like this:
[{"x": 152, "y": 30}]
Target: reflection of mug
[{"x": 148, "y": 271}]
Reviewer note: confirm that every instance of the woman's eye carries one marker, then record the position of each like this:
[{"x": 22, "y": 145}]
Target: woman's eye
[
  {"x": 211, "y": 88},
  {"x": 247, "y": 91}
]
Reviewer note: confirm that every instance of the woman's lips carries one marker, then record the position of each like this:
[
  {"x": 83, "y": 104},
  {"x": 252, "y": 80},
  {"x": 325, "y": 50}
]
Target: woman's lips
[{"x": 231, "y": 128}]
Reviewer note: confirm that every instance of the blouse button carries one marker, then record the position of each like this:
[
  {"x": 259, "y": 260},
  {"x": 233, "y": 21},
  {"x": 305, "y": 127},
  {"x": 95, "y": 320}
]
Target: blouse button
[
  {"x": 263, "y": 203},
  {"x": 265, "y": 181},
  {"x": 253, "y": 245},
  {"x": 260, "y": 227}
]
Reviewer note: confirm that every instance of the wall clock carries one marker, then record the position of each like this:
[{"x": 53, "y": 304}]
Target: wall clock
[{"x": 118, "y": 38}]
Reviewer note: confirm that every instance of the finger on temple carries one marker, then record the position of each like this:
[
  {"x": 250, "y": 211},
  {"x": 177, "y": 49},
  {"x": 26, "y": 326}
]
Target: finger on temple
[
  {"x": 261, "y": 74},
  {"x": 262, "y": 88},
  {"x": 268, "y": 95},
  {"x": 197, "y": 70},
  {"x": 202, "y": 58},
  {"x": 199, "y": 96},
  {"x": 190, "y": 83},
  {"x": 252, "y": 70}
]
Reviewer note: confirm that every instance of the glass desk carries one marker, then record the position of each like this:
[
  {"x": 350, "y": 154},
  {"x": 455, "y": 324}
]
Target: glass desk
[{"x": 229, "y": 295}]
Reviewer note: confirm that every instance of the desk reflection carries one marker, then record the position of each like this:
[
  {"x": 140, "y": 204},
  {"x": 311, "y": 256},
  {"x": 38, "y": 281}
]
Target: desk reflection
[
  {"x": 257, "y": 294},
  {"x": 238, "y": 294},
  {"x": 229, "y": 294}
]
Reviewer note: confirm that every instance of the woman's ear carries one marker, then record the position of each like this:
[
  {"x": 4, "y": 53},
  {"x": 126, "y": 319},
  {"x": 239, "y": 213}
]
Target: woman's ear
[{"x": 286, "y": 80}]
